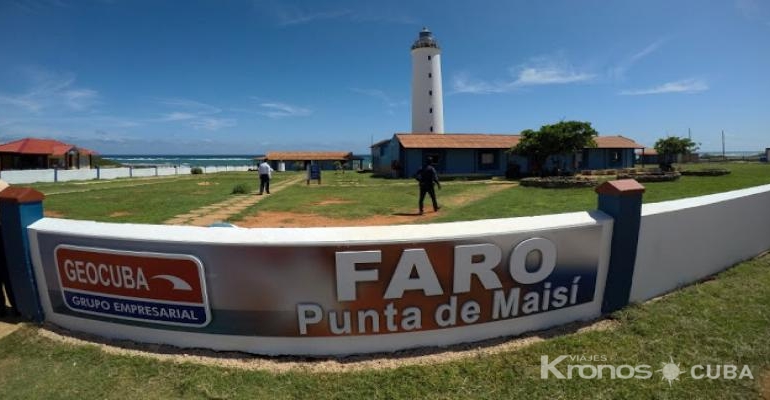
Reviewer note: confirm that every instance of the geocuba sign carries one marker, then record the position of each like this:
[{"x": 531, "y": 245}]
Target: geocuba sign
[
  {"x": 159, "y": 288},
  {"x": 323, "y": 291}
]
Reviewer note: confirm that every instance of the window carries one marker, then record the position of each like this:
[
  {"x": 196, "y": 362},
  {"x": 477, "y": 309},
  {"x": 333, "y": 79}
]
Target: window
[
  {"x": 430, "y": 75},
  {"x": 433, "y": 157},
  {"x": 428, "y": 57},
  {"x": 430, "y": 93},
  {"x": 431, "y": 128},
  {"x": 431, "y": 110},
  {"x": 615, "y": 156},
  {"x": 488, "y": 160}
]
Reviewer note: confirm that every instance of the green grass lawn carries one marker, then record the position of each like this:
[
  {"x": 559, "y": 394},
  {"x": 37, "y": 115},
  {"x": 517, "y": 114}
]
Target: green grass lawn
[
  {"x": 353, "y": 196},
  {"x": 527, "y": 201},
  {"x": 144, "y": 200},
  {"x": 702, "y": 324}
]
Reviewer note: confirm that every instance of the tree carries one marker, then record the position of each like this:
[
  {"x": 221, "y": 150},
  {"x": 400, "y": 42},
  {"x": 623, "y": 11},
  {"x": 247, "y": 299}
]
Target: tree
[
  {"x": 565, "y": 137},
  {"x": 668, "y": 148}
]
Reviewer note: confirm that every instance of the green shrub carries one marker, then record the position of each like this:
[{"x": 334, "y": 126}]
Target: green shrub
[
  {"x": 707, "y": 172},
  {"x": 240, "y": 188},
  {"x": 196, "y": 170},
  {"x": 559, "y": 182}
]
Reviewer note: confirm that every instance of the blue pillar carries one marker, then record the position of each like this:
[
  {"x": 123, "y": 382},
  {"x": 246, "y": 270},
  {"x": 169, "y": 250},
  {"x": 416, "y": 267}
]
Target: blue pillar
[
  {"x": 622, "y": 200},
  {"x": 19, "y": 208}
]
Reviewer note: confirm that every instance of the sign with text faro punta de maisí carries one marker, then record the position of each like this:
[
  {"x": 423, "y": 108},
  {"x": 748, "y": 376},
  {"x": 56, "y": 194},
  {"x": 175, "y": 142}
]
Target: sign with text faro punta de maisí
[{"x": 253, "y": 292}]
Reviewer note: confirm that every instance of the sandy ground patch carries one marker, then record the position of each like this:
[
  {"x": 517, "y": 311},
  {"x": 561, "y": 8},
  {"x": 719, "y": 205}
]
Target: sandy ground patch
[
  {"x": 329, "y": 202},
  {"x": 119, "y": 214},
  {"x": 764, "y": 385},
  {"x": 467, "y": 198},
  {"x": 52, "y": 214},
  {"x": 422, "y": 356},
  {"x": 7, "y": 328},
  {"x": 284, "y": 219},
  {"x": 206, "y": 183}
]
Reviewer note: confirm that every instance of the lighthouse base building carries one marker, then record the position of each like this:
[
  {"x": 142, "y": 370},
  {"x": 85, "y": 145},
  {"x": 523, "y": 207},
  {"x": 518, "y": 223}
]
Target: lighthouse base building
[{"x": 472, "y": 154}]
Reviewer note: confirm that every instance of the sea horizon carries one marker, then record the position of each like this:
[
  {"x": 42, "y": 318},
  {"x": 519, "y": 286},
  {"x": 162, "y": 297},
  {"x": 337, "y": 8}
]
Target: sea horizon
[{"x": 200, "y": 160}]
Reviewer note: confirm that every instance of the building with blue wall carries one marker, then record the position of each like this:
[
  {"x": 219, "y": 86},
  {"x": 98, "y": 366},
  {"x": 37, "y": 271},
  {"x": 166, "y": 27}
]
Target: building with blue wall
[{"x": 485, "y": 154}]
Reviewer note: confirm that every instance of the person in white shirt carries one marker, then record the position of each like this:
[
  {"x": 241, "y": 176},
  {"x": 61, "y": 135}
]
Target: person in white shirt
[{"x": 265, "y": 173}]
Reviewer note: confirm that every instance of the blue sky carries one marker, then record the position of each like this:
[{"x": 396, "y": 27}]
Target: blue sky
[{"x": 247, "y": 77}]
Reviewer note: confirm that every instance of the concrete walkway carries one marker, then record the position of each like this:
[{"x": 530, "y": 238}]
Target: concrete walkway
[{"x": 219, "y": 212}]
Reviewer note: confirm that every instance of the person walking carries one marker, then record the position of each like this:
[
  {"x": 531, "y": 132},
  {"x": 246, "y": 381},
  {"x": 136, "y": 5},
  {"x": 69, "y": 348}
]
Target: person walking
[
  {"x": 5, "y": 283},
  {"x": 265, "y": 173},
  {"x": 427, "y": 176}
]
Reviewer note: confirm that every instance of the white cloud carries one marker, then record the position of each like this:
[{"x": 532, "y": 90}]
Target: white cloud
[
  {"x": 21, "y": 102},
  {"x": 291, "y": 15},
  {"x": 80, "y": 99},
  {"x": 195, "y": 114},
  {"x": 194, "y": 106},
  {"x": 536, "y": 72},
  {"x": 682, "y": 86},
  {"x": 178, "y": 116},
  {"x": 389, "y": 102},
  {"x": 296, "y": 16},
  {"x": 50, "y": 90},
  {"x": 619, "y": 71},
  {"x": 647, "y": 51},
  {"x": 212, "y": 124},
  {"x": 550, "y": 75},
  {"x": 282, "y": 110},
  {"x": 754, "y": 10},
  {"x": 463, "y": 83}
]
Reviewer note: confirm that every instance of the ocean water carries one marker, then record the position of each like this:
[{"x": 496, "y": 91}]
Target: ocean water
[
  {"x": 193, "y": 160},
  {"x": 183, "y": 160}
]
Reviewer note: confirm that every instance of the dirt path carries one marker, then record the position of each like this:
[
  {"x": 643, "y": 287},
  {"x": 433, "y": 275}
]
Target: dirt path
[
  {"x": 218, "y": 212},
  {"x": 287, "y": 219}
]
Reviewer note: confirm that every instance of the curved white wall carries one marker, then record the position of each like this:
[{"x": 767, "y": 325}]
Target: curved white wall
[
  {"x": 426, "y": 79},
  {"x": 683, "y": 241},
  {"x": 257, "y": 283},
  {"x": 319, "y": 291}
]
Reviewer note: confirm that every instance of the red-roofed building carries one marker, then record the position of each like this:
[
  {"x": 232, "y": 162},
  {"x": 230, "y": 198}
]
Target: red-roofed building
[
  {"x": 475, "y": 153},
  {"x": 647, "y": 155},
  {"x": 31, "y": 153}
]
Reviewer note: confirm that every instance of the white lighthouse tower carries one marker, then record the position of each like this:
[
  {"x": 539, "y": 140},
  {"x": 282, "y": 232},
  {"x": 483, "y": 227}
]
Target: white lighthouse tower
[{"x": 427, "y": 96}]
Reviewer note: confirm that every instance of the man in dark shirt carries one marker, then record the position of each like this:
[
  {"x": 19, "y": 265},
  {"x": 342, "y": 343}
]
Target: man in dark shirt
[{"x": 427, "y": 176}]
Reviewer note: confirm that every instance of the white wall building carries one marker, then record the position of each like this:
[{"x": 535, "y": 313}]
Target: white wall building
[{"x": 427, "y": 96}]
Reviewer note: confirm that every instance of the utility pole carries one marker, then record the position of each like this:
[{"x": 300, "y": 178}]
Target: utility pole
[
  {"x": 723, "y": 144},
  {"x": 689, "y": 134}
]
